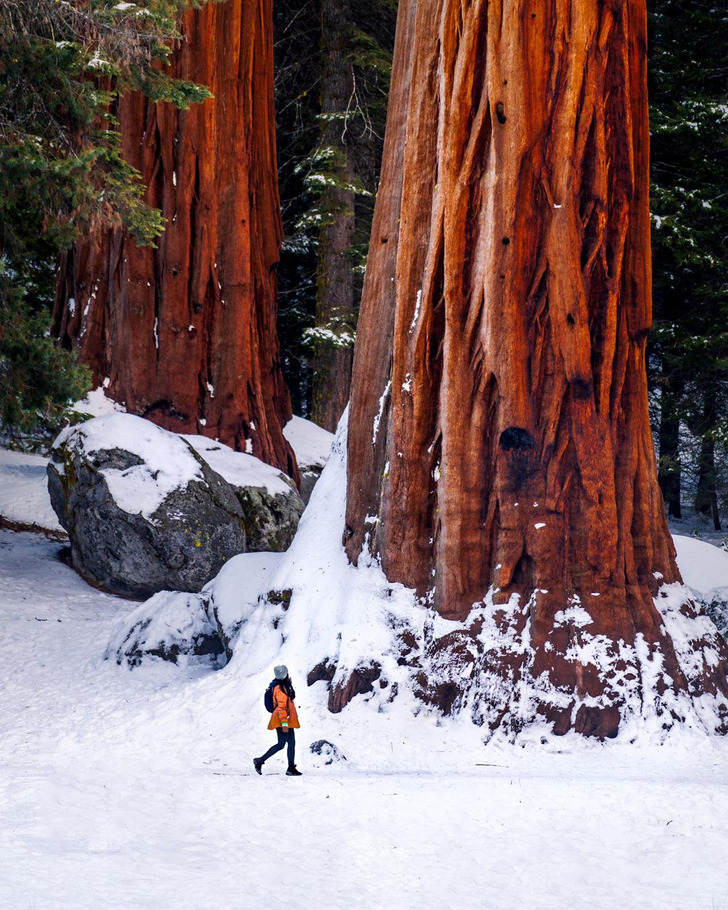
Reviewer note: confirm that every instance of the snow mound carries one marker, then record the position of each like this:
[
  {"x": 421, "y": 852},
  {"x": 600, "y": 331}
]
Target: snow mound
[
  {"x": 189, "y": 629},
  {"x": 702, "y": 565},
  {"x": 98, "y": 404},
  {"x": 311, "y": 444},
  {"x": 236, "y": 590},
  {"x": 173, "y": 626}
]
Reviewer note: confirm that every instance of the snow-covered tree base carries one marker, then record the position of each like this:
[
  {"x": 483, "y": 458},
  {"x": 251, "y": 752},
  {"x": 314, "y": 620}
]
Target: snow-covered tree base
[
  {"x": 486, "y": 668},
  {"x": 353, "y": 633}
]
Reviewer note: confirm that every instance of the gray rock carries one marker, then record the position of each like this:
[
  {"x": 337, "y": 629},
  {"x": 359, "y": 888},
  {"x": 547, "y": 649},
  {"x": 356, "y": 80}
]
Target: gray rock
[
  {"x": 309, "y": 478},
  {"x": 270, "y": 520},
  {"x": 182, "y": 540},
  {"x": 328, "y": 751},
  {"x": 270, "y": 502},
  {"x": 716, "y": 606}
]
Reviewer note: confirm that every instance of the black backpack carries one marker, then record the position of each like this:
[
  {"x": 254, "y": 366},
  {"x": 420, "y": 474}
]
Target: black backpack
[{"x": 268, "y": 697}]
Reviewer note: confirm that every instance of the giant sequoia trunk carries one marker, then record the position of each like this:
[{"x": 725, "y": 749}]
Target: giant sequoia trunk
[
  {"x": 500, "y": 456},
  {"x": 186, "y": 334}
]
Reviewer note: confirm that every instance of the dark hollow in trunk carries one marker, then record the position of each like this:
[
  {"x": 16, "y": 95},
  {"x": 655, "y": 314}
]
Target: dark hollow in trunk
[{"x": 499, "y": 429}]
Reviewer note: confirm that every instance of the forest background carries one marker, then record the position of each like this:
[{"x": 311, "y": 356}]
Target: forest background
[{"x": 63, "y": 175}]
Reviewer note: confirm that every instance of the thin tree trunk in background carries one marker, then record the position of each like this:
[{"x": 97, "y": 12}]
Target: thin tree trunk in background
[
  {"x": 185, "y": 335},
  {"x": 669, "y": 470},
  {"x": 335, "y": 292},
  {"x": 706, "y": 497},
  {"x": 499, "y": 437}
]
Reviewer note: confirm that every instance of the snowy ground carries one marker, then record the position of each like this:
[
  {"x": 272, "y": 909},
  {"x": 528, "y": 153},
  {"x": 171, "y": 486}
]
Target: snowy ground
[
  {"x": 134, "y": 789},
  {"x": 24, "y": 491}
]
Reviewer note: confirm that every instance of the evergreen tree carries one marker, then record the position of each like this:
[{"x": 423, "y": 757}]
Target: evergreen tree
[
  {"x": 333, "y": 63},
  {"x": 689, "y": 47},
  {"x": 62, "y": 65}
]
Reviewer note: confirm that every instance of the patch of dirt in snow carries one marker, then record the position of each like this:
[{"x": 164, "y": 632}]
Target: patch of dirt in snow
[{"x": 135, "y": 789}]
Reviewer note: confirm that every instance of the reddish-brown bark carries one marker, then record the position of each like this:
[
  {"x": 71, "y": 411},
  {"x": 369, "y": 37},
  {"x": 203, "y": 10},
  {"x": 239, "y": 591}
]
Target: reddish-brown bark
[
  {"x": 499, "y": 428},
  {"x": 186, "y": 333}
]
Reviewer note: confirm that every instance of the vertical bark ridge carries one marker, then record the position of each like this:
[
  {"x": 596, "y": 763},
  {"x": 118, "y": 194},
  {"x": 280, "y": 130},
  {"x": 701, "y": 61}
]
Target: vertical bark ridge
[
  {"x": 518, "y": 464},
  {"x": 186, "y": 334}
]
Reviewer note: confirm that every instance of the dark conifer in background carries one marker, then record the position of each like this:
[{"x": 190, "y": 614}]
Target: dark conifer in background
[
  {"x": 333, "y": 62},
  {"x": 689, "y": 362},
  {"x": 61, "y": 167}
]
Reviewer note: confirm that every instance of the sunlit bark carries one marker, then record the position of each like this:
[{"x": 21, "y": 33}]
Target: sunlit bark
[{"x": 186, "y": 334}]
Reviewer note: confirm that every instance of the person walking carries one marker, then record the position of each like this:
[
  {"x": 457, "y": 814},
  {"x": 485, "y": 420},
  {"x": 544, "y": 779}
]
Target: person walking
[{"x": 284, "y": 720}]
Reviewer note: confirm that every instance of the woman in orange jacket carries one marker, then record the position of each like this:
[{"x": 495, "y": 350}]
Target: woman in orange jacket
[{"x": 284, "y": 720}]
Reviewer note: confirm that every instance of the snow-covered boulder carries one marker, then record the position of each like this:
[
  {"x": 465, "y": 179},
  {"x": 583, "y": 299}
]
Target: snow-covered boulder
[
  {"x": 147, "y": 510},
  {"x": 311, "y": 445},
  {"x": 171, "y": 625},
  {"x": 143, "y": 511},
  {"x": 269, "y": 499},
  {"x": 195, "y": 628}
]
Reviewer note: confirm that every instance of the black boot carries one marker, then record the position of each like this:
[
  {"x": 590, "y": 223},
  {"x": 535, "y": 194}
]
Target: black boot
[
  {"x": 293, "y": 772},
  {"x": 258, "y": 764}
]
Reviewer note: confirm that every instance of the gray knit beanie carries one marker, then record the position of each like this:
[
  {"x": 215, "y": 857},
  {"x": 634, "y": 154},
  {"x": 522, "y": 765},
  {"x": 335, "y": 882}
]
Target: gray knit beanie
[{"x": 281, "y": 671}]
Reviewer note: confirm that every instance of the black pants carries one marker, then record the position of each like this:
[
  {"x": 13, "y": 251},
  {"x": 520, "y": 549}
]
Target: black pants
[{"x": 287, "y": 738}]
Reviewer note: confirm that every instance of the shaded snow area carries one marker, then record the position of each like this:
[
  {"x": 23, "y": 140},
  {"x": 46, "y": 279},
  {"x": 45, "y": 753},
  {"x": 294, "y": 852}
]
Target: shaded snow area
[
  {"x": 24, "y": 498},
  {"x": 310, "y": 443},
  {"x": 135, "y": 789}
]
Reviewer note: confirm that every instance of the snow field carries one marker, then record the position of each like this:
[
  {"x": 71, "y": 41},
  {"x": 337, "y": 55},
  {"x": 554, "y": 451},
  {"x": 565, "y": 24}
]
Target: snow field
[
  {"x": 124, "y": 789},
  {"x": 136, "y": 789}
]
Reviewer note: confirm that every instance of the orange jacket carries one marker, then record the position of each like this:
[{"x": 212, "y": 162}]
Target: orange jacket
[{"x": 283, "y": 709}]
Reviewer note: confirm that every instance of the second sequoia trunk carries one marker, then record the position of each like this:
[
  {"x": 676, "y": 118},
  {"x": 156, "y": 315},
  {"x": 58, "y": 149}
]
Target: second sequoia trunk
[
  {"x": 500, "y": 455},
  {"x": 186, "y": 334}
]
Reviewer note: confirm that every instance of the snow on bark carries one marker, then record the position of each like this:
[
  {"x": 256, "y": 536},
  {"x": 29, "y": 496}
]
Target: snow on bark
[
  {"x": 186, "y": 333},
  {"x": 507, "y": 300}
]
